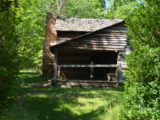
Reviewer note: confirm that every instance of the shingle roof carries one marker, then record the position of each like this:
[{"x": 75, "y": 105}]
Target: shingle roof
[{"x": 83, "y": 24}]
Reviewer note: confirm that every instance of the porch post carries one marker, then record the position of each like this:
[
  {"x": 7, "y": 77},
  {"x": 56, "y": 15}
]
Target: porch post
[
  {"x": 55, "y": 69},
  {"x": 118, "y": 74},
  {"x": 121, "y": 67},
  {"x": 118, "y": 71}
]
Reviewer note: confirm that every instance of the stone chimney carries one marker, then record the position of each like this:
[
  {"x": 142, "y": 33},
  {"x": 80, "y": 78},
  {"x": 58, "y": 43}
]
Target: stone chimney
[{"x": 50, "y": 39}]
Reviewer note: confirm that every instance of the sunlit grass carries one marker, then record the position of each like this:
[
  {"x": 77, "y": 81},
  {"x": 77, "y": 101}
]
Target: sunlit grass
[{"x": 48, "y": 103}]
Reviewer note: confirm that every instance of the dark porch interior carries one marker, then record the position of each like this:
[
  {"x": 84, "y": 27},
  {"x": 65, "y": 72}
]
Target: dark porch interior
[{"x": 72, "y": 64}]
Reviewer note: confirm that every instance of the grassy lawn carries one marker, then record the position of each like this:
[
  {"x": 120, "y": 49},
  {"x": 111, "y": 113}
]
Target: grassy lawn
[{"x": 37, "y": 102}]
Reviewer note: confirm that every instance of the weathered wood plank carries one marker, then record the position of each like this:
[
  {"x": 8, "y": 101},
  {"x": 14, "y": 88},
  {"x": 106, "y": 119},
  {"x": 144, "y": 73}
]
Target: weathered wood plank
[
  {"x": 119, "y": 28},
  {"x": 105, "y": 42},
  {"x": 112, "y": 30},
  {"x": 103, "y": 39},
  {"x": 85, "y": 84},
  {"x": 110, "y": 35},
  {"x": 101, "y": 44},
  {"x": 97, "y": 65},
  {"x": 113, "y": 33},
  {"x": 98, "y": 49},
  {"x": 72, "y": 80}
]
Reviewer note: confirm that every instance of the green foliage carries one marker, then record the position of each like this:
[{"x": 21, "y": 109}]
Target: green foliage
[
  {"x": 142, "y": 96},
  {"x": 31, "y": 29},
  {"x": 144, "y": 25},
  {"x": 8, "y": 48},
  {"x": 114, "y": 4},
  {"x": 120, "y": 8},
  {"x": 31, "y": 32},
  {"x": 120, "y": 11},
  {"x": 84, "y": 9},
  {"x": 143, "y": 65},
  {"x": 142, "y": 93}
]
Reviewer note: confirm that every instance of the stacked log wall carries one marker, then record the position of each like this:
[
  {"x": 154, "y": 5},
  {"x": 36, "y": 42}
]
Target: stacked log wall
[
  {"x": 111, "y": 39},
  {"x": 68, "y": 35}
]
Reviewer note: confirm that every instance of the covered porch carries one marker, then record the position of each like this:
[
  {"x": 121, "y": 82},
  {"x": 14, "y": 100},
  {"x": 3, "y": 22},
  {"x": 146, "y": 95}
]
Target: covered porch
[{"x": 85, "y": 68}]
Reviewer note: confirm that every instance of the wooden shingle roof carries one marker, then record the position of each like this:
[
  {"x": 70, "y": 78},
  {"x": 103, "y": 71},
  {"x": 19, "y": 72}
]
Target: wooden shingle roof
[{"x": 83, "y": 24}]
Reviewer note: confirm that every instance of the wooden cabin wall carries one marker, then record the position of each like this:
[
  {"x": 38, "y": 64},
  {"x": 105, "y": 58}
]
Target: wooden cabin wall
[
  {"x": 109, "y": 39},
  {"x": 68, "y": 35},
  {"x": 113, "y": 39}
]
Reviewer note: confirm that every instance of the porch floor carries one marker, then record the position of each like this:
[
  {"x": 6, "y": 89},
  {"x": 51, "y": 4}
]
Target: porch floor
[{"x": 85, "y": 83}]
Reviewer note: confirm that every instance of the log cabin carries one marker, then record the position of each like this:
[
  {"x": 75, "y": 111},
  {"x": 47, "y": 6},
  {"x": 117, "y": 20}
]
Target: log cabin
[{"x": 80, "y": 52}]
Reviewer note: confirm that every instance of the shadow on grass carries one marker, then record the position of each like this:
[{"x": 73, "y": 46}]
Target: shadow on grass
[
  {"x": 46, "y": 106},
  {"x": 42, "y": 103},
  {"x": 27, "y": 77},
  {"x": 48, "y": 109},
  {"x": 52, "y": 108}
]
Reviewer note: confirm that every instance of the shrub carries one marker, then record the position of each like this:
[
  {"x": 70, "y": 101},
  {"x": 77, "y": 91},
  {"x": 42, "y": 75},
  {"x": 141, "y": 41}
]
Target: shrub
[
  {"x": 142, "y": 89},
  {"x": 8, "y": 48}
]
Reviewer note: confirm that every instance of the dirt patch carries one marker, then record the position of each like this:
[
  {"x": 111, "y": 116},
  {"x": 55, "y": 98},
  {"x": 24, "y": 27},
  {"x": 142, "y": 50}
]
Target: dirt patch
[
  {"x": 39, "y": 84},
  {"x": 67, "y": 95}
]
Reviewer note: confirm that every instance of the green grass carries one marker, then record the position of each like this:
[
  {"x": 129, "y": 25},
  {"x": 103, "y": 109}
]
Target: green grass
[{"x": 50, "y": 103}]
